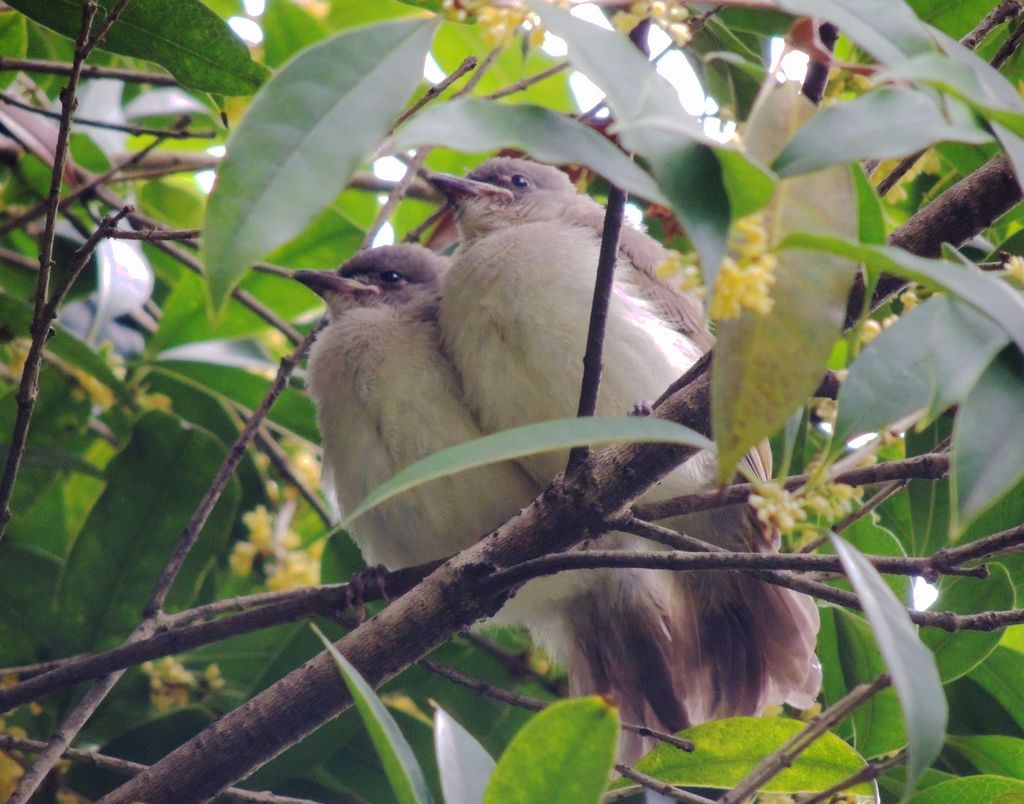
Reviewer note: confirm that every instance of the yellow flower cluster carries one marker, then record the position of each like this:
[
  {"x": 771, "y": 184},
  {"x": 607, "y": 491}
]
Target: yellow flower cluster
[
  {"x": 746, "y": 279},
  {"x": 872, "y": 328},
  {"x": 845, "y": 83},
  {"x": 11, "y": 770},
  {"x": 171, "y": 683},
  {"x": 500, "y": 21},
  {"x": 286, "y": 564},
  {"x": 790, "y": 512},
  {"x": 1014, "y": 267},
  {"x": 669, "y": 15},
  {"x": 682, "y": 271}
]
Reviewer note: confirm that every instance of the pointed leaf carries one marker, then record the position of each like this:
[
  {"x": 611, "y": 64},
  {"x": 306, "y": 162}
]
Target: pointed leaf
[
  {"x": 400, "y": 765},
  {"x": 464, "y": 764},
  {"x": 193, "y": 43},
  {"x": 991, "y": 789},
  {"x": 929, "y": 359},
  {"x": 563, "y": 755},
  {"x": 988, "y": 440},
  {"x": 729, "y": 749},
  {"x": 991, "y": 295},
  {"x": 888, "y": 122},
  {"x": 473, "y": 125},
  {"x": 911, "y": 665},
  {"x": 766, "y": 365},
  {"x": 303, "y": 137},
  {"x": 957, "y": 653},
  {"x": 530, "y": 439}
]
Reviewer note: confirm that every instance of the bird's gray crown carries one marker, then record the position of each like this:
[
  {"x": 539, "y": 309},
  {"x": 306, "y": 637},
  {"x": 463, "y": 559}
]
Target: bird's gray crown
[
  {"x": 521, "y": 175},
  {"x": 391, "y": 266}
]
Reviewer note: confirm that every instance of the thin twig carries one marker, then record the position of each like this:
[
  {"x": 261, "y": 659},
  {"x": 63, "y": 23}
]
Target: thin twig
[
  {"x": 868, "y": 773},
  {"x": 783, "y": 757},
  {"x": 591, "y": 382},
  {"x": 128, "y": 128},
  {"x": 118, "y": 765},
  {"x": 869, "y": 505},
  {"x": 515, "y": 664},
  {"x": 152, "y": 235},
  {"x": 396, "y": 195},
  {"x": 29, "y": 388},
  {"x": 269, "y": 447},
  {"x": 88, "y": 71},
  {"x": 467, "y": 64},
  {"x": 931, "y": 466},
  {"x": 660, "y": 787},
  {"x": 220, "y": 481},
  {"x": 529, "y": 81}
]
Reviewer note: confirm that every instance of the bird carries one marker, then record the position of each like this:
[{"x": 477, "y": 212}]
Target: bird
[
  {"x": 676, "y": 649},
  {"x": 386, "y": 396}
]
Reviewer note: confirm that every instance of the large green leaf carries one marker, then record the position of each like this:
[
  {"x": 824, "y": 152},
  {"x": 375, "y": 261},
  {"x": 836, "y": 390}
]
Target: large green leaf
[
  {"x": 929, "y": 360},
  {"x": 563, "y": 755},
  {"x": 474, "y": 125},
  {"x": 530, "y": 439},
  {"x": 193, "y": 43},
  {"x": 888, "y": 122},
  {"x": 153, "y": 487},
  {"x": 403, "y": 771},
  {"x": 288, "y": 158},
  {"x": 988, "y": 440},
  {"x": 729, "y": 749},
  {"x": 766, "y": 365},
  {"x": 990, "y": 789},
  {"x": 1000, "y": 675},
  {"x": 957, "y": 653},
  {"x": 987, "y": 293},
  {"x": 911, "y": 665},
  {"x": 991, "y": 753},
  {"x": 464, "y": 764}
]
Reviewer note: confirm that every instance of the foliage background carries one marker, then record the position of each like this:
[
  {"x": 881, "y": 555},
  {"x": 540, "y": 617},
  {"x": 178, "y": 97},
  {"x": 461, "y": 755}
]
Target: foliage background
[{"x": 142, "y": 390}]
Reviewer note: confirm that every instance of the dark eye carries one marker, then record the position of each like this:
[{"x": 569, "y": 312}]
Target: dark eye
[
  {"x": 391, "y": 276},
  {"x": 519, "y": 180}
]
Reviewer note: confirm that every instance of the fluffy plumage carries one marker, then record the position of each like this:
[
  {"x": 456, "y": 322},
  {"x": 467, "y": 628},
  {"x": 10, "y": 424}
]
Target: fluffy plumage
[{"x": 675, "y": 648}]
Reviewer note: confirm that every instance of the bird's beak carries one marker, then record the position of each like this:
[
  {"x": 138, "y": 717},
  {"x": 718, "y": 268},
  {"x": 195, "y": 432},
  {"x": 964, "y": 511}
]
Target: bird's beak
[
  {"x": 458, "y": 188},
  {"x": 325, "y": 283}
]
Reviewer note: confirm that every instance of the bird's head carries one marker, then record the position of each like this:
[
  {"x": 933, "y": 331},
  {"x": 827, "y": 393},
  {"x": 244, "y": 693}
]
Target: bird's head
[
  {"x": 505, "y": 192},
  {"x": 390, "y": 275}
]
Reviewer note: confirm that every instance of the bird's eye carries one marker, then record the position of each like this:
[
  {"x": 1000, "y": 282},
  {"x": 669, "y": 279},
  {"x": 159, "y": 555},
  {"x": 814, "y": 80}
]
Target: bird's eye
[
  {"x": 391, "y": 276},
  {"x": 519, "y": 180}
]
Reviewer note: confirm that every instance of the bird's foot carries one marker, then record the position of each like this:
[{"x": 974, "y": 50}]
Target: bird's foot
[
  {"x": 370, "y": 584},
  {"x": 642, "y": 408}
]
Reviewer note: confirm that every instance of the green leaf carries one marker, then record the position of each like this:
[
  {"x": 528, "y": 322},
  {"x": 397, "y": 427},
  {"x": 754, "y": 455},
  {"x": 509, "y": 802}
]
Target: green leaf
[
  {"x": 403, "y": 771},
  {"x": 133, "y": 527},
  {"x": 287, "y": 29},
  {"x": 193, "y": 43},
  {"x": 929, "y": 499},
  {"x": 464, "y": 764},
  {"x": 563, "y": 755},
  {"x": 13, "y": 42},
  {"x": 286, "y": 160},
  {"x": 928, "y": 360},
  {"x": 871, "y": 224},
  {"x": 987, "y": 293},
  {"x": 474, "y": 125},
  {"x": 729, "y": 749},
  {"x": 884, "y": 123},
  {"x": 988, "y": 440},
  {"x": 956, "y": 654},
  {"x": 766, "y": 365},
  {"x": 1000, "y": 676},
  {"x": 530, "y": 439},
  {"x": 991, "y": 753},
  {"x": 911, "y": 665},
  {"x": 990, "y": 789}
]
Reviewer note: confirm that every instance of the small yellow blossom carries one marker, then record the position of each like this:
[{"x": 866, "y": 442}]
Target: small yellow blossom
[
  {"x": 869, "y": 330},
  {"x": 811, "y": 712},
  {"x": 10, "y": 773},
  {"x": 241, "y": 559},
  {"x": 307, "y": 468},
  {"x": 746, "y": 276},
  {"x": 777, "y": 507},
  {"x": 909, "y": 300},
  {"x": 1014, "y": 267},
  {"x": 682, "y": 271},
  {"x": 211, "y": 678},
  {"x": 826, "y": 409},
  {"x": 261, "y": 529},
  {"x": 294, "y": 571}
]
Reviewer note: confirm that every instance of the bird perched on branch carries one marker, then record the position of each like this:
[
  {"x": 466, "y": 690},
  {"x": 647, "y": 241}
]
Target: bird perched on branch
[
  {"x": 676, "y": 648},
  {"x": 387, "y": 396}
]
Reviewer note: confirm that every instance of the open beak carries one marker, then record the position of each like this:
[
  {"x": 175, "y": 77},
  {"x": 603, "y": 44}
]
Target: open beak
[
  {"x": 325, "y": 283},
  {"x": 457, "y": 188}
]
